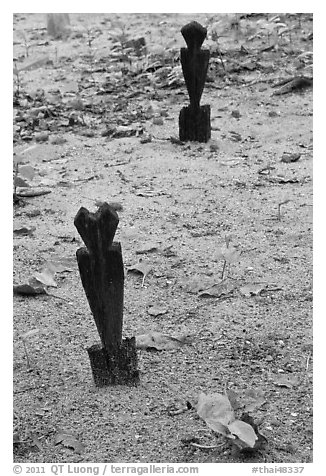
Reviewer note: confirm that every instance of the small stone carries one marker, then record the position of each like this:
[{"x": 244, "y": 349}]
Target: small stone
[
  {"x": 158, "y": 121},
  {"x": 236, "y": 114},
  {"x": 41, "y": 136},
  {"x": 214, "y": 146},
  {"x": 58, "y": 140}
]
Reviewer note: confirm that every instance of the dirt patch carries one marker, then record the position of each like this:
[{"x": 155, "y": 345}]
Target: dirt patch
[{"x": 107, "y": 125}]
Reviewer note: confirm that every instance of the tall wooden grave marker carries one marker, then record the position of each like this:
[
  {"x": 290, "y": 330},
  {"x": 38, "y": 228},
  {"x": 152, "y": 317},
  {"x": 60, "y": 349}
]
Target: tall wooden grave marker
[
  {"x": 194, "y": 120},
  {"x": 102, "y": 275}
]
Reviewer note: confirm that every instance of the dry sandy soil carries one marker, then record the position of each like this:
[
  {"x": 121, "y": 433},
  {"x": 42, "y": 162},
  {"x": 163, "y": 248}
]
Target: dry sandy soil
[{"x": 96, "y": 127}]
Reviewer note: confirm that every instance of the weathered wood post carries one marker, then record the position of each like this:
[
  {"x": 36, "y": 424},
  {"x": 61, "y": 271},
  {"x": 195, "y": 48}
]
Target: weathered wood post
[
  {"x": 102, "y": 275},
  {"x": 194, "y": 120}
]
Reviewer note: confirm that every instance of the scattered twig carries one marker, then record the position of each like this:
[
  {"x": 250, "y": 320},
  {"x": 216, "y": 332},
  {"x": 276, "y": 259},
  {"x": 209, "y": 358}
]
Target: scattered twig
[
  {"x": 279, "y": 208},
  {"x": 294, "y": 84},
  {"x": 26, "y": 354},
  {"x": 178, "y": 412},
  {"x": 33, "y": 193},
  {"x": 58, "y": 297},
  {"x": 227, "y": 241},
  {"x": 308, "y": 359},
  {"x": 206, "y": 447},
  {"x": 223, "y": 270}
]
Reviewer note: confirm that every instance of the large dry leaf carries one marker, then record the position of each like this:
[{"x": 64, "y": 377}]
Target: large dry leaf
[
  {"x": 60, "y": 265},
  {"x": 158, "y": 341},
  {"x": 29, "y": 333},
  {"x": 216, "y": 410},
  {"x": 223, "y": 288},
  {"x": 252, "y": 399},
  {"x": 31, "y": 64},
  {"x": 229, "y": 254},
  {"x": 24, "y": 231},
  {"x": 29, "y": 290},
  {"x": 157, "y": 310},
  {"x": 19, "y": 182},
  {"x": 197, "y": 283},
  {"x": 140, "y": 268},
  {"x": 69, "y": 441},
  {"x": 147, "y": 248},
  {"x": 233, "y": 399},
  {"x": 27, "y": 171},
  {"x": 244, "y": 432},
  {"x": 252, "y": 289},
  {"x": 46, "y": 277},
  {"x": 288, "y": 381}
]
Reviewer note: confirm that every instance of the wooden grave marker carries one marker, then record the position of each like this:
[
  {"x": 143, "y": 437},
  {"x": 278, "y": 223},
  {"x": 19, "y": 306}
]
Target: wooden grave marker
[
  {"x": 102, "y": 275},
  {"x": 194, "y": 120}
]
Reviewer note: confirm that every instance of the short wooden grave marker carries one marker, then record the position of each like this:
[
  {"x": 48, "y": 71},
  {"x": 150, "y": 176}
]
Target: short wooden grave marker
[
  {"x": 102, "y": 275},
  {"x": 194, "y": 120}
]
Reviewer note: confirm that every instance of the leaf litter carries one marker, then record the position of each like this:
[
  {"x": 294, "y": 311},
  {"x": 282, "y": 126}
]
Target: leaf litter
[
  {"x": 60, "y": 111},
  {"x": 216, "y": 410},
  {"x": 159, "y": 341}
]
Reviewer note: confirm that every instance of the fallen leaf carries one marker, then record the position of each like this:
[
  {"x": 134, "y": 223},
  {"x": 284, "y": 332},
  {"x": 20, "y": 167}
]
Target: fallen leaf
[
  {"x": 233, "y": 399},
  {"x": 229, "y": 254},
  {"x": 19, "y": 182},
  {"x": 197, "y": 283},
  {"x": 288, "y": 157},
  {"x": 223, "y": 288},
  {"x": 140, "y": 268},
  {"x": 69, "y": 441},
  {"x": 295, "y": 84},
  {"x": 60, "y": 265},
  {"x": 150, "y": 193},
  {"x": 41, "y": 136},
  {"x": 24, "y": 231},
  {"x": 157, "y": 311},
  {"x": 16, "y": 438},
  {"x": 176, "y": 140},
  {"x": 18, "y": 159},
  {"x": 215, "y": 409},
  {"x": 31, "y": 64},
  {"x": 46, "y": 277},
  {"x": 244, "y": 432},
  {"x": 33, "y": 193},
  {"x": 280, "y": 179},
  {"x": 147, "y": 248},
  {"x": 288, "y": 381},
  {"x": 158, "y": 341},
  {"x": 146, "y": 138},
  {"x": 29, "y": 333},
  {"x": 27, "y": 171},
  {"x": 58, "y": 140},
  {"x": 252, "y": 289},
  {"x": 252, "y": 399},
  {"x": 36, "y": 441},
  {"x": 29, "y": 290},
  {"x": 261, "y": 440}
]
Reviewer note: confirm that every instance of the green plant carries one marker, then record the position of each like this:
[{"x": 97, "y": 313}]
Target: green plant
[
  {"x": 229, "y": 254},
  {"x": 23, "y": 338},
  {"x": 17, "y": 77},
  {"x": 279, "y": 208},
  {"x": 26, "y": 44}
]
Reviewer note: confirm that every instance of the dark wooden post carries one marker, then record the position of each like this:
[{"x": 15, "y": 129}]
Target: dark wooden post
[
  {"x": 194, "y": 120},
  {"x": 102, "y": 275}
]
